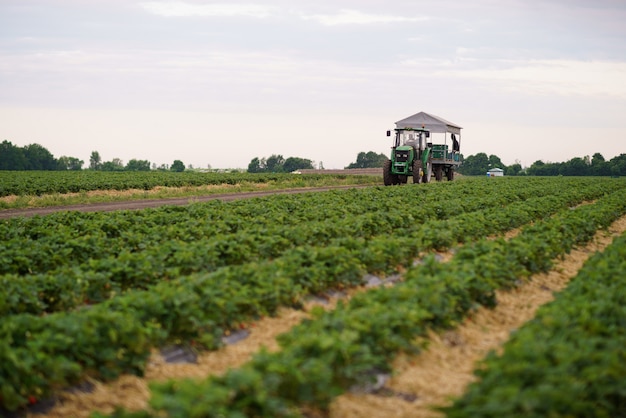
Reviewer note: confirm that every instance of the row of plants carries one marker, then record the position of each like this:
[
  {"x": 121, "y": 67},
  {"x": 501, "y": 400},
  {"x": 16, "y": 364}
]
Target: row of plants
[
  {"x": 71, "y": 239},
  {"x": 188, "y": 223},
  {"x": 200, "y": 307},
  {"x": 42, "y": 244},
  {"x": 71, "y": 287},
  {"x": 95, "y": 280},
  {"x": 569, "y": 361},
  {"x": 37, "y": 183},
  {"x": 323, "y": 357},
  {"x": 292, "y": 209},
  {"x": 197, "y": 307}
]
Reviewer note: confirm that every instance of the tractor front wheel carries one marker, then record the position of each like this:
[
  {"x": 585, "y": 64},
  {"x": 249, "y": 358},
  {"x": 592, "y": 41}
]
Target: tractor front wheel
[
  {"x": 387, "y": 173},
  {"x": 417, "y": 171},
  {"x": 388, "y": 177},
  {"x": 428, "y": 172},
  {"x": 450, "y": 174}
]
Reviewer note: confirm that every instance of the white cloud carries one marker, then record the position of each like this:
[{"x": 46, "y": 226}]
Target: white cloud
[
  {"x": 565, "y": 77},
  {"x": 536, "y": 77},
  {"x": 182, "y": 9},
  {"x": 354, "y": 17}
]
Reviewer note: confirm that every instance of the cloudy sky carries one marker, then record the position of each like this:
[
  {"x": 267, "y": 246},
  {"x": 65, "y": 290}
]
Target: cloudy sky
[{"x": 221, "y": 82}]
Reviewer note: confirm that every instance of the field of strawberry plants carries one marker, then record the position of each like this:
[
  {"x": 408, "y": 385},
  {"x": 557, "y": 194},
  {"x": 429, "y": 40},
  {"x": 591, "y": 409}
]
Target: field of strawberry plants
[
  {"x": 90, "y": 294},
  {"x": 36, "y": 183},
  {"x": 570, "y": 360}
]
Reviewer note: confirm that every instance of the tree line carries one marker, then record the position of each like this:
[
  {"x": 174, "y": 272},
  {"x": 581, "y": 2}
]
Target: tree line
[
  {"x": 596, "y": 165},
  {"x": 37, "y": 157},
  {"x": 276, "y": 163},
  {"x": 480, "y": 163},
  {"x": 96, "y": 163},
  {"x": 368, "y": 159},
  {"x": 34, "y": 157}
]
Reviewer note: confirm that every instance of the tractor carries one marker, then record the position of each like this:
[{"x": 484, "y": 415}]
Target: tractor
[
  {"x": 410, "y": 157},
  {"x": 413, "y": 153}
]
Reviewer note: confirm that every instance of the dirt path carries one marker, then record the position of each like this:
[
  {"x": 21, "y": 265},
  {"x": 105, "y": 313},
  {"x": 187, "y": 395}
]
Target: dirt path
[
  {"x": 446, "y": 368},
  {"x": 153, "y": 203}
]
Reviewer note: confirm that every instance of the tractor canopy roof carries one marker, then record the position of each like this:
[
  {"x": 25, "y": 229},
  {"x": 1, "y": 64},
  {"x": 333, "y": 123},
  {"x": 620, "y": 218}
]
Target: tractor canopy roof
[
  {"x": 408, "y": 128},
  {"x": 430, "y": 122}
]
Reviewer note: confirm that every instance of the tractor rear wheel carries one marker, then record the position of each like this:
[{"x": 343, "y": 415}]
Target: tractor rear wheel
[
  {"x": 428, "y": 172},
  {"x": 450, "y": 174},
  {"x": 417, "y": 171}
]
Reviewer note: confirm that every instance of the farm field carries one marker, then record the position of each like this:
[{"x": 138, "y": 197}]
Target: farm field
[
  {"x": 22, "y": 189},
  {"x": 446, "y": 367},
  {"x": 90, "y": 297}
]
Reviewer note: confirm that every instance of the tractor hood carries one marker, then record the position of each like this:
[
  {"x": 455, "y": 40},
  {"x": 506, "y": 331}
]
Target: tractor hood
[{"x": 431, "y": 122}]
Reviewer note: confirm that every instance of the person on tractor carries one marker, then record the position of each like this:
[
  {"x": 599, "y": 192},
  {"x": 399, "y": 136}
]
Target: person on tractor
[{"x": 455, "y": 144}]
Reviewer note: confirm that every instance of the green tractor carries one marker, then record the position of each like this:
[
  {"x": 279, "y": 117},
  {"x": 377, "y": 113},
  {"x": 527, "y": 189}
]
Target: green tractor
[
  {"x": 413, "y": 153},
  {"x": 410, "y": 157}
]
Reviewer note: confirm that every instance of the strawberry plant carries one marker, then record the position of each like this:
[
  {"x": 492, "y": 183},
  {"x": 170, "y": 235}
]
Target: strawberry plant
[
  {"x": 321, "y": 358},
  {"x": 190, "y": 273},
  {"x": 569, "y": 360}
]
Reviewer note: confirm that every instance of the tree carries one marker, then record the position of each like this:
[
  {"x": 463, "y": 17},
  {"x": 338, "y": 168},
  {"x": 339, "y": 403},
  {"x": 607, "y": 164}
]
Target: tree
[
  {"x": 539, "y": 168},
  {"x": 296, "y": 163},
  {"x": 114, "y": 165},
  {"x": 177, "y": 166},
  {"x": 599, "y": 166},
  {"x": 475, "y": 165},
  {"x": 597, "y": 158},
  {"x": 138, "y": 165},
  {"x": 513, "y": 170},
  {"x": 255, "y": 166},
  {"x": 275, "y": 163},
  {"x": 575, "y": 167},
  {"x": 63, "y": 163},
  {"x": 495, "y": 162},
  {"x": 39, "y": 158},
  {"x": 12, "y": 157},
  {"x": 69, "y": 163},
  {"x": 368, "y": 160},
  {"x": 95, "y": 162},
  {"x": 618, "y": 165}
]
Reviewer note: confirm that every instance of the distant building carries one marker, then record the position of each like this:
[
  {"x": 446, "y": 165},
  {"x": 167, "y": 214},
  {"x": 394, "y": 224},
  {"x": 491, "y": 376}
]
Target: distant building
[{"x": 495, "y": 172}]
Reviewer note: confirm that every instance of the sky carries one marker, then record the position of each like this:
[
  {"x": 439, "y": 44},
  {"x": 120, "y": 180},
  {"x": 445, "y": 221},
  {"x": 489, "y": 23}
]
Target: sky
[{"x": 218, "y": 83}]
